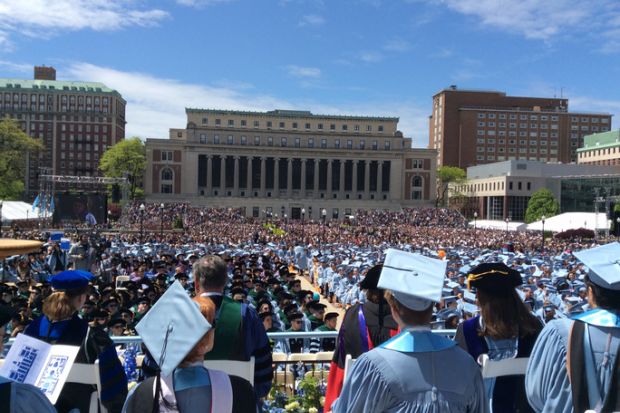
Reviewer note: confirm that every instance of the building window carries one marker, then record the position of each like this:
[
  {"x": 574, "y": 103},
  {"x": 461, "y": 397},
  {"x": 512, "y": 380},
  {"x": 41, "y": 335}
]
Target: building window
[
  {"x": 269, "y": 124},
  {"x": 362, "y": 144},
  {"x": 283, "y": 141},
  {"x": 203, "y": 138},
  {"x": 257, "y": 141},
  {"x": 167, "y": 181},
  {"x": 380, "y": 128},
  {"x": 205, "y": 121},
  {"x": 319, "y": 126},
  {"x": 310, "y": 142},
  {"x": 387, "y": 145},
  {"x": 349, "y": 144},
  {"x": 218, "y": 122},
  {"x": 281, "y": 125},
  {"x": 256, "y": 124},
  {"x": 244, "y": 140},
  {"x": 216, "y": 139},
  {"x": 243, "y": 123},
  {"x": 337, "y": 143},
  {"x": 166, "y": 156},
  {"x": 307, "y": 126},
  {"x": 332, "y": 126},
  {"x": 417, "y": 184},
  {"x": 375, "y": 145},
  {"x": 323, "y": 143},
  {"x": 418, "y": 164},
  {"x": 345, "y": 127},
  {"x": 294, "y": 125},
  {"x": 231, "y": 122},
  {"x": 297, "y": 142},
  {"x": 230, "y": 140},
  {"x": 269, "y": 141}
]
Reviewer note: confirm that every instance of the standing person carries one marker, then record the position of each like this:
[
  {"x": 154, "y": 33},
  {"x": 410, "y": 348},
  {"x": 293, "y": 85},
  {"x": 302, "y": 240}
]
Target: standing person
[
  {"x": 575, "y": 365},
  {"x": 505, "y": 328},
  {"x": 364, "y": 327},
  {"x": 61, "y": 324},
  {"x": 19, "y": 397},
  {"x": 179, "y": 332},
  {"x": 240, "y": 333},
  {"x": 409, "y": 372},
  {"x": 82, "y": 254}
]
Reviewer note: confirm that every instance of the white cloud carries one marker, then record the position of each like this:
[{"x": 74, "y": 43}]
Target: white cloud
[
  {"x": 370, "y": 56},
  {"x": 588, "y": 104},
  {"x": 303, "y": 72},
  {"x": 397, "y": 45},
  {"x": 154, "y": 105},
  {"x": 311, "y": 20},
  {"x": 16, "y": 67},
  {"x": 598, "y": 20},
  {"x": 201, "y": 3},
  {"x": 40, "y": 18}
]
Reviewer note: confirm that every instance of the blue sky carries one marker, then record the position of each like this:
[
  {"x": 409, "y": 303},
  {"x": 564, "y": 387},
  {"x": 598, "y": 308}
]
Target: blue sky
[{"x": 356, "y": 57}]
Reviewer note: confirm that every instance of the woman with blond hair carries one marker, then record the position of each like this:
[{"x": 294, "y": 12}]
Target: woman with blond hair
[
  {"x": 61, "y": 324},
  {"x": 190, "y": 387}
]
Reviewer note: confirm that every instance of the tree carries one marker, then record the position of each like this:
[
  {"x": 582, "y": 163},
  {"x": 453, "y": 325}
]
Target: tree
[
  {"x": 541, "y": 203},
  {"x": 126, "y": 158},
  {"x": 447, "y": 175},
  {"x": 14, "y": 144}
]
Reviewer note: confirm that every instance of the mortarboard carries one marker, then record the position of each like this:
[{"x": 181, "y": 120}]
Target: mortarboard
[
  {"x": 495, "y": 277},
  {"x": 415, "y": 280},
  {"x": 71, "y": 280},
  {"x": 172, "y": 328},
  {"x": 604, "y": 265}
]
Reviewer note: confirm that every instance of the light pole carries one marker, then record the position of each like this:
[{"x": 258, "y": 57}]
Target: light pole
[
  {"x": 303, "y": 217},
  {"x": 324, "y": 216},
  {"x": 475, "y": 219},
  {"x": 542, "y": 219},
  {"x": 1, "y": 219},
  {"x": 507, "y": 221},
  {"x": 142, "y": 208},
  {"x": 109, "y": 217},
  {"x": 161, "y": 216},
  {"x": 617, "y": 223},
  {"x": 286, "y": 222}
]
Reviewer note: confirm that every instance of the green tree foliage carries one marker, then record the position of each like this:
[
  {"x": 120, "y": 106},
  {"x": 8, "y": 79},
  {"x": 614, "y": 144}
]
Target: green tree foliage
[
  {"x": 447, "y": 175},
  {"x": 14, "y": 144},
  {"x": 541, "y": 203},
  {"x": 126, "y": 157}
]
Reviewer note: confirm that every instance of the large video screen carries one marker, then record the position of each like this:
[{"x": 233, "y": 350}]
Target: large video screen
[{"x": 80, "y": 208}]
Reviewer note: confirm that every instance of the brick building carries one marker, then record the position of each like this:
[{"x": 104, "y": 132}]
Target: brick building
[
  {"x": 470, "y": 127},
  {"x": 76, "y": 121}
]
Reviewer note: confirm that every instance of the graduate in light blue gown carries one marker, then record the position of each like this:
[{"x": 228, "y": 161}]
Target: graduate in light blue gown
[
  {"x": 589, "y": 342},
  {"x": 415, "y": 370}
]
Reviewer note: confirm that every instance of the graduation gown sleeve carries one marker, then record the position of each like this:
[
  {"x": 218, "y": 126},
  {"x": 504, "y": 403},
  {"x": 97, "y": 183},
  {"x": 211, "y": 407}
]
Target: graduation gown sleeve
[
  {"x": 28, "y": 399},
  {"x": 546, "y": 379}
]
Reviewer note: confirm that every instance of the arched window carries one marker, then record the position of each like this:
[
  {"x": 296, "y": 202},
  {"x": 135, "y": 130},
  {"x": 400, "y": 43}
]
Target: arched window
[
  {"x": 417, "y": 186},
  {"x": 167, "y": 181}
]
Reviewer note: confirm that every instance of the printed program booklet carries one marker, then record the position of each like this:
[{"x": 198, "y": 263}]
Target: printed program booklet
[{"x": 36, "y": 362}]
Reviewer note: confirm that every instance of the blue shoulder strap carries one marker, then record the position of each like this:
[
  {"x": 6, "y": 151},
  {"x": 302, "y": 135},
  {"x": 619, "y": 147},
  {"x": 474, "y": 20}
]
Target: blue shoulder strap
[{"x": 418, "y": 342}]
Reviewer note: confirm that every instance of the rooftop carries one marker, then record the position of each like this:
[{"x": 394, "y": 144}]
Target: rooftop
[
  {"x": 283, "y": 113},
  {"x": 600, "y": 140},
  {"x": 55, "y": 85}
]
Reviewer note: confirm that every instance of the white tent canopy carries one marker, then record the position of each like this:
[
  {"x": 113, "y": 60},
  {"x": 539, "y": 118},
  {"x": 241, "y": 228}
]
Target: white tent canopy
[
  {"x": 572, "y": 220},
  {"x": 18, "y": 210},
  {"x": 492, "y": 224}
]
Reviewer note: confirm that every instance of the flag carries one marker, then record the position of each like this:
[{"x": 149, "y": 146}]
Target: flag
[{"x": 35, "y": 203}]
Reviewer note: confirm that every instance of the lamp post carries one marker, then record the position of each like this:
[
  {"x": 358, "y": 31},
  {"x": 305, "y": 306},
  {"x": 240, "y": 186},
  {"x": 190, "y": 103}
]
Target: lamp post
[
  {"x": 507, "y": 221},
  {"x": 324, "y": 216},
  {"x": 161, "y": 223},
  {"x": 617, "y": 224},
  {"x": 475, "y": 219},
  {"x": 286, "y": 222},
  {"x": 142, "y": 208},
  {"x": 303, "y": 218},
  {"x": 109, "y": 217},
  {"x": 542, "y": 219},
  {"x": 1, "y": 219}
]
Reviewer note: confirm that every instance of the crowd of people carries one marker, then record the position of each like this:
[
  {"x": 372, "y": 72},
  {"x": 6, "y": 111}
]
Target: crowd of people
[{"x": 136, "y": 259}]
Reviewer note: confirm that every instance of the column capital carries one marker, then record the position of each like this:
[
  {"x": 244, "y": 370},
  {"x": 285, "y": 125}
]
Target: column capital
[
  {"x": 303, "y": 160},
  {"x": 236, "y": 157}
]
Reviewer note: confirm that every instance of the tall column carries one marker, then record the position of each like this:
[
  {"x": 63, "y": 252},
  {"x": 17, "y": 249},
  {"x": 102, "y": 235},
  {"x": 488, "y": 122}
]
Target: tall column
[
  {"x": 380, "y": 179},
  {"x": 315, "y": 191},
  {"x": 249, "y": 175},
  {"x": 223, "y": 174},
  {"x": 209, "y": 174},
  {"x": 236, "y": 177},
  {"x": 263, "y": 175},
  {"x": 341, "y": 189},
  {"x": 329, "y": 179},
  {"x": 354, "y": 176},
  {"x": 276, "y": 177},
  {"x": 367, "y": 180},
  {"x": 289, "y": 178},
  {"x": 303, "y": 178}
]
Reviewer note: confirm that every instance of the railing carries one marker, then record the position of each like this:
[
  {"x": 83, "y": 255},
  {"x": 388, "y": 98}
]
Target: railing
[{"x": 272, "y": 336}]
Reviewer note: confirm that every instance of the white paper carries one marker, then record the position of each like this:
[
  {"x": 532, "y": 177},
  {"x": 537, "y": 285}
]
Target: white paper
[{"x": 38, "y": 363}]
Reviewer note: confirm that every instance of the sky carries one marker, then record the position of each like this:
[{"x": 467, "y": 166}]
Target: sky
[{"x": 344, "y": 57}]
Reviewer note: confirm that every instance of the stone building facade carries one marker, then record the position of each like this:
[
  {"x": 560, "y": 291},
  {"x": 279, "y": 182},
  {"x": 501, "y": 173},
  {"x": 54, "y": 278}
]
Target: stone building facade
[
  {"x": 600, "y": 149},
  {"x": 290, "y": 163}
]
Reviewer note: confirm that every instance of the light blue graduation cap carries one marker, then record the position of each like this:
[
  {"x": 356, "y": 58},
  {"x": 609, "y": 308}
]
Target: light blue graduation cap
[
  {"x": 470, "y": 308},
  {"x": 172, "y": 328},
  {"x": 604, "y": 265},
  {"x": 415, "y": 280}
]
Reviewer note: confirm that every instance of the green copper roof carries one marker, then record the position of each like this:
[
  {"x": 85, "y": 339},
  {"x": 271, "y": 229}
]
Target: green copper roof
[
  {"x": 600, "y": 140},
  {"x": 281, "y": 113},
  {"x": 55, "y": 85}
]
